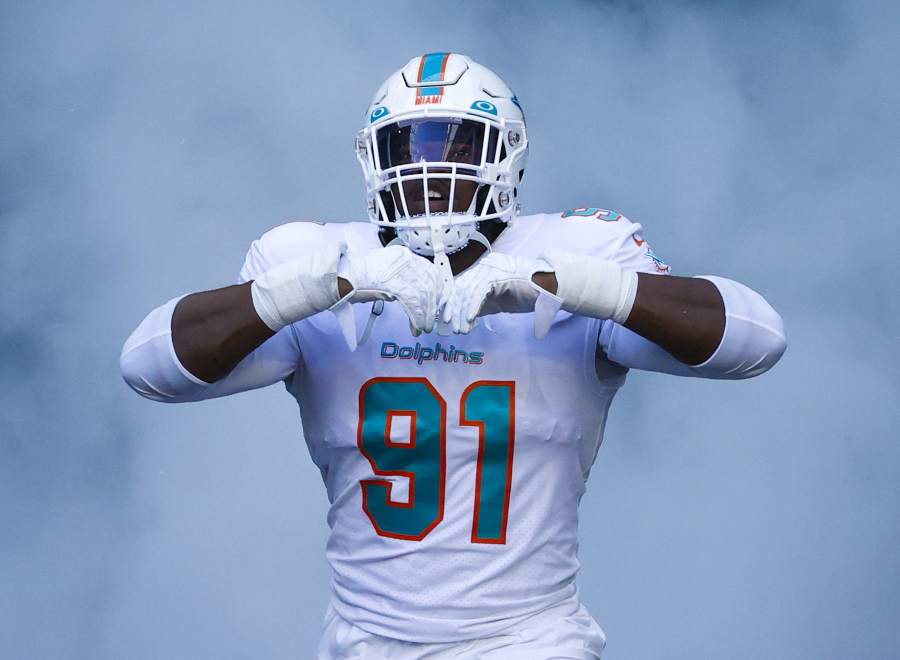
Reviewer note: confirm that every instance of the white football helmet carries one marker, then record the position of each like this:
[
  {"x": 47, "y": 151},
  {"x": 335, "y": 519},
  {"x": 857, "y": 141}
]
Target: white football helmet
[{"x": 443, "y": 149}]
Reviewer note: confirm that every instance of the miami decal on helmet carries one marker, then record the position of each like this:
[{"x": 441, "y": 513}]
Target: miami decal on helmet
[{"x": 432, "y": 68}]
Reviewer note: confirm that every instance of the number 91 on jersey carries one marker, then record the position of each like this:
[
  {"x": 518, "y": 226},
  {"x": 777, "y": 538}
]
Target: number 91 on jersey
[{"x": 487, "y": 405}]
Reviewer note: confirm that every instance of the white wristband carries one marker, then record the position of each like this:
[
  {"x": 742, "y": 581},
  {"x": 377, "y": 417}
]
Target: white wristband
[
  {"x": 298, "y": 288},
  {"x": 594, "y": 287}
]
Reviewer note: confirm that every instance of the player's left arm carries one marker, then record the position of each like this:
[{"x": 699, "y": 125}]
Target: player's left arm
[
  {"x": 707, "y": 326},
  {"x": 710, "y": 327},
  {"x": 683, "y": 315}
]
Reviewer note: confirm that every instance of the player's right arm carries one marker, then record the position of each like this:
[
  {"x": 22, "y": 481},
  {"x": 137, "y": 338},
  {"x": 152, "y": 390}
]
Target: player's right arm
[
  {"x": 241, "y": 337},
  {"x": 212, "y": 331},
  {"x": 213, "y": 343}
]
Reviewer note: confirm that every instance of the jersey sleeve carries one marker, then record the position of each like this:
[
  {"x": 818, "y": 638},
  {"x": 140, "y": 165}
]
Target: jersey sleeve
[
  {"x": 753, "y": 341},
  {"x": 148, "y": 361},
  {"x": 282, "y": 244},
  {"x": 151, "y": 368},
  {"x": 607, "y": 234},
  {"x": 632, "y": 252}
]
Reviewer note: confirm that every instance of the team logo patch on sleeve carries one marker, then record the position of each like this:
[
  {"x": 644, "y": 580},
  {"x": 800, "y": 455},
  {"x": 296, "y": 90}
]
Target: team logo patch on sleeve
[
  {"x": 660, "y": 265},
  {"x": 592, "y": 212}
]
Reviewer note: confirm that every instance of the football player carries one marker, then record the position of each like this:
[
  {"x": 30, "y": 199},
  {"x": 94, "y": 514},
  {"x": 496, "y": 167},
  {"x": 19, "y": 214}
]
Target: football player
[{"x": 454, "y": 363}]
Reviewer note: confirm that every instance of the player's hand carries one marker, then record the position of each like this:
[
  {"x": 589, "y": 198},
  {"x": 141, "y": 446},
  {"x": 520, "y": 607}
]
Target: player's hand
[
  {"x": 395, "y": 273},
  {"x": 497, "y": 283}
]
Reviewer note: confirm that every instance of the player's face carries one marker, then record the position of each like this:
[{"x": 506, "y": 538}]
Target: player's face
[{"x": 433, "y": 141}]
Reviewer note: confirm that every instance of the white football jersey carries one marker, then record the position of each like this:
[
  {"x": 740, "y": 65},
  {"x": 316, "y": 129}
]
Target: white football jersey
[{"x": 454, "y": 464}]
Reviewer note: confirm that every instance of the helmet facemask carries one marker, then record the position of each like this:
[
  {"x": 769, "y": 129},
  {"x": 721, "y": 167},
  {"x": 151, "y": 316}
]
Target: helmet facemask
[{"x": 433, "y": 177}]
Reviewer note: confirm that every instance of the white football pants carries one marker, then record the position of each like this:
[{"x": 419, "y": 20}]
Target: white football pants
[{"x": 548, "y": 635}]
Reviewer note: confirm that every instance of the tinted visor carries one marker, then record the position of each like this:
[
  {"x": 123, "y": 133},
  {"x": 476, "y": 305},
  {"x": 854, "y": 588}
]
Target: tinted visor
[{"x": 434, "y": 141}]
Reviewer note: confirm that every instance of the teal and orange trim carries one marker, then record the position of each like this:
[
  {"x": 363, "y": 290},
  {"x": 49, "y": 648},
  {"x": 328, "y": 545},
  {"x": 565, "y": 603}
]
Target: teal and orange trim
[{"x": 432, "y": 69}]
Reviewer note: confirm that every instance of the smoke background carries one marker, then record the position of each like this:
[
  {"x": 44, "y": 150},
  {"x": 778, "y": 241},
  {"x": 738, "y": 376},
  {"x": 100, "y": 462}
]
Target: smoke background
[{"x": 145, "y": 145}]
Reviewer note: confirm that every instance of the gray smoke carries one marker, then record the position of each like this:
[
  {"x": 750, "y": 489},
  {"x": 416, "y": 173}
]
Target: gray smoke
[{"x": 144, "y": 145}]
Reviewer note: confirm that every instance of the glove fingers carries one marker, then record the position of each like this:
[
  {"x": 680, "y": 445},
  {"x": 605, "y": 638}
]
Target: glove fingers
[
  {"x": 430, "y": 305},
  {"x": 465, "y": 326},
  {"x": 439, "y": 296},
  {"x": 413, "y": 312},
  {"x": 456, "y": 312},
  {"x": 443, "y": 306},
  {"x": 419, "y": 318},
  {"x": 447, "y": 311},
  {"x": 476, "y": 301},
  {"x": 449, "y": 294}
]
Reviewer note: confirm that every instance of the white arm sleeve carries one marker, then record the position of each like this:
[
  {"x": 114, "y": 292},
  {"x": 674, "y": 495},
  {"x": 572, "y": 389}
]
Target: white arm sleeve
[
  {"x": 148, "y": 361},
  {"x": 151, "y": 368},
  {"x": 753, "y": 341}
]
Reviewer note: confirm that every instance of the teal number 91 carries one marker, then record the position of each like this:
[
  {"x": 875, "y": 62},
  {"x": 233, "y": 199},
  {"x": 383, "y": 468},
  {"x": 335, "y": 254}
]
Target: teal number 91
[{"x": 486, "y": 405}]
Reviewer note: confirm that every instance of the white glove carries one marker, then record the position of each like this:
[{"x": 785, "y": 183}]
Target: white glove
[
  {"x": 390, "y": 273},
  {"x": 498, "y": 283},
  {"x": 591, "y": 286},
  {"x": 298, "y": 288}
]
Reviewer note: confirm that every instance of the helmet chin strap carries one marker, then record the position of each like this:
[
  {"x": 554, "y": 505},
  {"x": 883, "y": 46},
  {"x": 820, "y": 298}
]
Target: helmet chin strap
[
  {"x": 443, "y": 263},
  {"x": 481, "y": 238}
]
